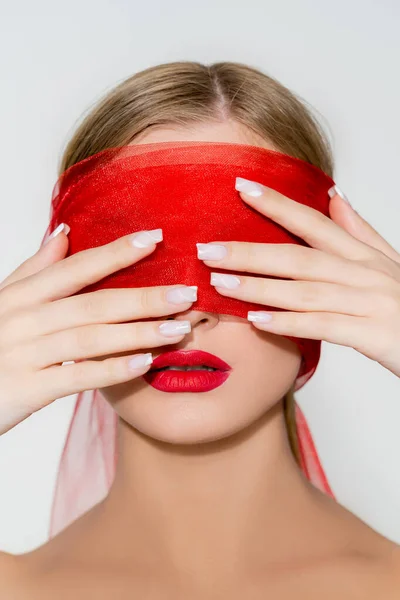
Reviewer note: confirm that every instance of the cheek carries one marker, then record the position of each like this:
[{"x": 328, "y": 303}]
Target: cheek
[
  {"x": 269, "y": 359},
  {"x": 258, "y": 342},
  {"x": 121, "y": 391}
]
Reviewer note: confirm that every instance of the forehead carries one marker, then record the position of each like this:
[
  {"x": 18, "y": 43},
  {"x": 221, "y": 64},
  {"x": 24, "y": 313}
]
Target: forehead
[{"x": 227, "y": 131}]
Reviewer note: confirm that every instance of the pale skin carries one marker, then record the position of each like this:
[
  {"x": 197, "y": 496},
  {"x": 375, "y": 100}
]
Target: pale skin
[{"x": 207, "y": 501}]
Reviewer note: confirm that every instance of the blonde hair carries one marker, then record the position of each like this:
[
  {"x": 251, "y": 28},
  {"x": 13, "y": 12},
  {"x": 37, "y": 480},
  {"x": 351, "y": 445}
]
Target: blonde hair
[{"x": 184, "y": 93}]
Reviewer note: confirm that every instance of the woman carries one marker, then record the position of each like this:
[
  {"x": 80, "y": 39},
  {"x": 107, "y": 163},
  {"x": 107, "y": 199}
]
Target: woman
[{"x": 208, "y": 500}]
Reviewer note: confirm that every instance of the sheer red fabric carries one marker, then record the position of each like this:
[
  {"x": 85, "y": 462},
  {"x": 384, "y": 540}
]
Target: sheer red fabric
[{"x": 187, "y": 189}]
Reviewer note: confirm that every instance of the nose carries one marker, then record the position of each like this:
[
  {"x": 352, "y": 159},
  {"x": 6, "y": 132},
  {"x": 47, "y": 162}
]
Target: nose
[{"x": 197, "y": 318}]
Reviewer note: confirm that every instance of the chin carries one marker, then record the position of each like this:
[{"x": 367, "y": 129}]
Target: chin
[{"x": 189, "y": 418}]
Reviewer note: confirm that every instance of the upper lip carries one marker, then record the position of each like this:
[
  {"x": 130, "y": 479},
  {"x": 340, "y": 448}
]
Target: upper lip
[{"x": 185, "y": 358}]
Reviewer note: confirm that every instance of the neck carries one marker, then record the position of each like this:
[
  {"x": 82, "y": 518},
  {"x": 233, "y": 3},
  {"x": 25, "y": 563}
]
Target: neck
[{"x": 238, "y": 501}]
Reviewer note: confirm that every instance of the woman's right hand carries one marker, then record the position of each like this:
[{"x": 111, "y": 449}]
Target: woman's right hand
[{"x": 42, "y": 325}]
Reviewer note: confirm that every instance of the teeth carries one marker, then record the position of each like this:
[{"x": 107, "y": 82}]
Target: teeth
[{"x": 189, "y": 368}]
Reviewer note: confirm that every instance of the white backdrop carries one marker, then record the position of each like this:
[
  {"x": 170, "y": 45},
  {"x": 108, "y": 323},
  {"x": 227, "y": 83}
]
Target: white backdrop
[{"x": 342, "y": 57}]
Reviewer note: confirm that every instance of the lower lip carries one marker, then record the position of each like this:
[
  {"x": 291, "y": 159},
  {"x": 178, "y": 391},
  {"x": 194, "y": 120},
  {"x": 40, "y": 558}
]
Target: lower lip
[{"x": 186, "y": 381}]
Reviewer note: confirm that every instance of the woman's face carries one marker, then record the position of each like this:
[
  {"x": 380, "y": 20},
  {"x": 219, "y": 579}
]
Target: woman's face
[{"x": 263, "y": 365}]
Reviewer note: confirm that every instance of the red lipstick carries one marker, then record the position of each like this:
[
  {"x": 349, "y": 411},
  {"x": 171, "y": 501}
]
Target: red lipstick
[{"x": 190, "y": 380}]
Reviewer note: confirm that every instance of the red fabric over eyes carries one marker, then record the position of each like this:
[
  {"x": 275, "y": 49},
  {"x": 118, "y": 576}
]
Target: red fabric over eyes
[{"x": 188, "y": 190}]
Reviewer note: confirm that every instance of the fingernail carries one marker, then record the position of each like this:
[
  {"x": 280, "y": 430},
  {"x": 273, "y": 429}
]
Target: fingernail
[
  {"x": 211, "y": 251},
  {"x": 336, "y": 190},
  {"x": 140, "y": 360},
  {"x": 147, "y": 238},
  {"x": 248, "y": 187},
  {"x": 225, "y": 281},
  {"x": 182, "y": 295},
  {"x": 172, "y": 328},
  {"x": 259, "y": 316},
  {"x": 62, "y": 227}
]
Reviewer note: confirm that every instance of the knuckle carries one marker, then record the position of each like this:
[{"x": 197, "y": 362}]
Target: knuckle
[
  {"x": 7, "y": 327},
  {"x": 319, "y": 216},
  {"x": 85, "y": 338},
  {"x": 78, "y": 374},
  {"x": 377, "y": 262},
  {"x": 299, "y": 258},
  {"x": 112, "y": 250},
  {"x": 388, "y": 303},
  {"x": 308, "y": 294},
  {"x": 251, "y": 254},
  {"x": 111, "y": 370},
  {"x": 145, "y": 299},
  {"x": 64, "y": 268},
  {"x": 10, "y": 357},
  {"x": 296, "y": 320},
  {"x": 380, "y": 279},
  {"x": 310, "y": 255},
  {"x": 138, "y": 335},
  {"x": 324, "y": 323},
  {"x": 117, "y": 251},
  {"x": 14, "y": 326},
  {"x": 388, "y": 268},
  {"x": 8, "y": 298},
  {"x": 91, "y": 304}
]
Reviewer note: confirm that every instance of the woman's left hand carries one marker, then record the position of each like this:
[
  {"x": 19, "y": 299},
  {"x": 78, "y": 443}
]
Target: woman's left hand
[{"x": 346, "y": 287}]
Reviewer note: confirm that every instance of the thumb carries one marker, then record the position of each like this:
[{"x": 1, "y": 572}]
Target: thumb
[{"x": 51, "y": 251}]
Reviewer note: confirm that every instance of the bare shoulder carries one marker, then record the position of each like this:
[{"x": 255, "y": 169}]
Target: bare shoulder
[
  {"x": 395, "y": 571},
  {"x": 8, "y": 566},
  {"x": 375, "y": 565},
  {"x": 367, "y": 564},
  {"x": 12, "y": 577},
  {"x": 22, "y": 577},
  {"x": 369, "y": 573},
  {"x": 353, "y": 574}
]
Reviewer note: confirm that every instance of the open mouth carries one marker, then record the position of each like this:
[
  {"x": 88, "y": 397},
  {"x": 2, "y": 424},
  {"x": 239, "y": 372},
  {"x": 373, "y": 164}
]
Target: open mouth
[{"x": 187, "y": 371}]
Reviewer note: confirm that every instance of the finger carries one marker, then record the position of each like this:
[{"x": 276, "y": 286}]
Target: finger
[
  {"x": 344, "y": 215},
  {"x": 61, "y": 381},
  {"x": 50, "y": 253},
  {"x": 99, "y": 340},
  {"x": 307, "y": 223},
  {"x": 101, "y": 306},
  {"x": 344, "y": 330},
  {"x": 292, "y": 261},
  {"x": 305, "y": 295},
  {"x": 78, "y": 270}
]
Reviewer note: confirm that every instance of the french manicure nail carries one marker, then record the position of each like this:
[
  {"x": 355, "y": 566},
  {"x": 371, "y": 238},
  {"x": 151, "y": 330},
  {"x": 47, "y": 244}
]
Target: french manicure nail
[
  {"x": 258, "y": 316},
  {"x": 182, "y": 295},
  {"x": 251, "y": 188},
  {"x": 225, "y": 281},
  {"x": 336, "y": 190},
  {"x": 62, "y": 227},
  {"x": 140, "y": 360},
  {"x": 172, "y": 328},
  {"x": 211, "y": 251},
  {"x": 147, "y": 238}
]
